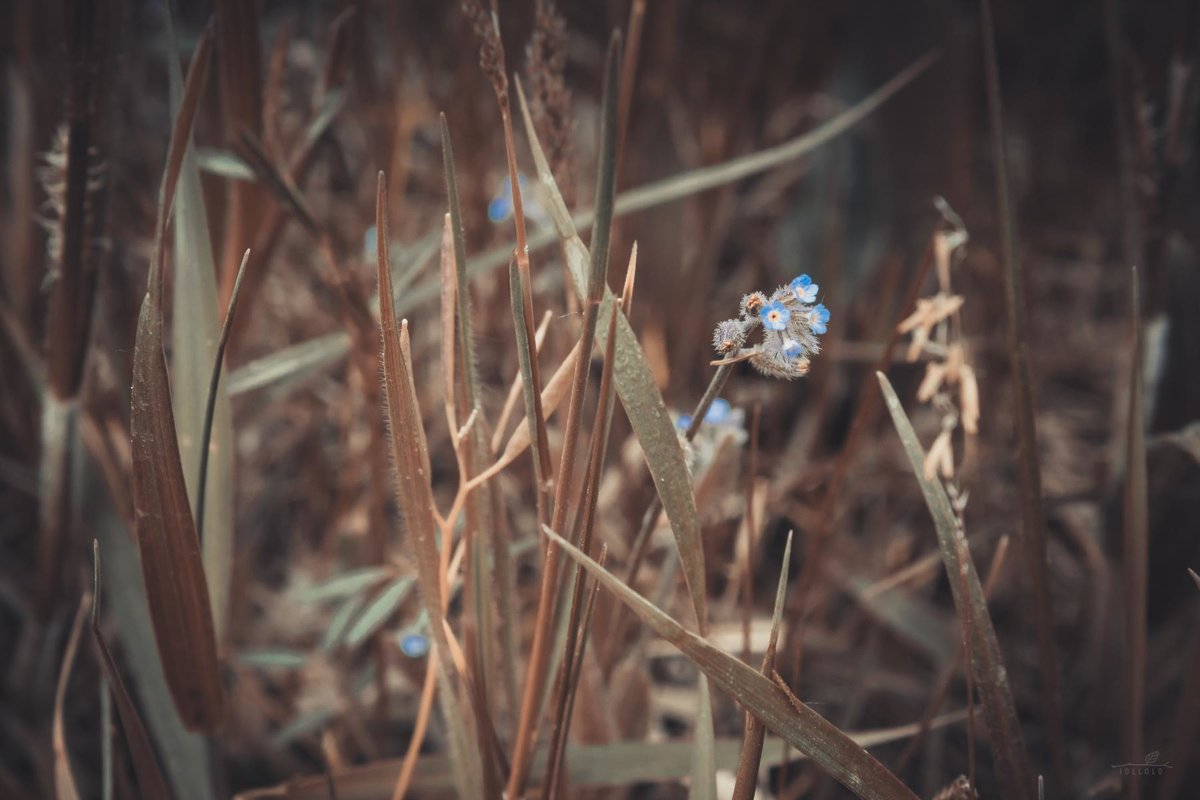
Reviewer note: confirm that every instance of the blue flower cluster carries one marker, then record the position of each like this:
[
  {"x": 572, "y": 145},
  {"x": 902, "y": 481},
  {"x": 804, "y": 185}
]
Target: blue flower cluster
[{"x": 791, "y": 319}]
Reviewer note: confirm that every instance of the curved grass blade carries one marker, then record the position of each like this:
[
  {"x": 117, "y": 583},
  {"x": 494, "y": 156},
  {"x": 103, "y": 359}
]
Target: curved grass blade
[
  {"x": 379, "y": 611},
  {"x": 806, "y": 730},
  {"x": 172, "y": 568},
  {"x": 194, "y": 333},
  {"x": 341, "y": 621},
  {"x": 64, "y": 781},
  {"x": 1013, "y": 769},
  {"x": 145, "y": 764},
  {"x": 289, "y": 364},
  {"x": 346, "y": 584},
  {"x": 215, "y": 395}
]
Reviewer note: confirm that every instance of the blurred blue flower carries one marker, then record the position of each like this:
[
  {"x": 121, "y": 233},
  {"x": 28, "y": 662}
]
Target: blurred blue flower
[
  {"x": 718, "y": 412},
  {"x": 775, "y": 316},
  {"x": 683, "y": 422},
  {"x": 804, "y": 289},
  {"x": 414, "y": 645},
  {"x": 818, "y": 318},
  {"x": 501, "y": 206}
]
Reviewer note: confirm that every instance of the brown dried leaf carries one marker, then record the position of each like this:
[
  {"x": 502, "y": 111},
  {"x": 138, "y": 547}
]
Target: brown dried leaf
[{"x": 176, "y": 589}]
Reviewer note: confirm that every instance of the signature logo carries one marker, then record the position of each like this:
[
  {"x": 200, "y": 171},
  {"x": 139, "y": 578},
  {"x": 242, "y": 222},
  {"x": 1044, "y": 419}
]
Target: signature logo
[{"x": 1149, "y": 766}]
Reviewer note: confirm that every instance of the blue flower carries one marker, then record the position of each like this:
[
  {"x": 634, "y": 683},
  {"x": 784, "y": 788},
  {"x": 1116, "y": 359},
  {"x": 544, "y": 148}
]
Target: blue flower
[
  {"x": 718, "y": 412},
  {"x": 414, "y": 645},
  {"x": 775, "y": 316},
  {"x": 804, "y": 289},
  {"x": 501, "y": 207},
  {"x": 683, "y": 422},
  {"x": 818, "y": 318},
  {"x": 791, "y": 348}
]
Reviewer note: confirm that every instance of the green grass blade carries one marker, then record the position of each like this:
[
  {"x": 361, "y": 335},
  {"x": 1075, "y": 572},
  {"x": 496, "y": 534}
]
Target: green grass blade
[
  {"x": 803, "y": 728},
  {"x": 345, "y": 584},
  {"x": 185, "y": 755},
  {"x": 704, "y": 756},
  {"x": 290, "y": 364},
  {"x": 141, "y": 752},
  {"x": 195, "y": 330},
  {"x": 1013, "y": 769},
  {"x": 379, "y": 611},
  {"x": 639, "y": 394}
]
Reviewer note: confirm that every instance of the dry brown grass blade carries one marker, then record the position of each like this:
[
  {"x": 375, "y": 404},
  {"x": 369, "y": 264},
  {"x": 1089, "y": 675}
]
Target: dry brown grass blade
[
  {"x": 637, "y": 18},
  {"x": 568, "y": 682},
  {"x": 240, "y": 80},
  {"x": 446, "y": 308},
  {"x": 1136, "y": 561},
  {"x": 514, "y": 390},
  {"x": 278, "y": 183},
  {"x": 64, "y": 780},
  {"x": 1013, "y": 768},
  {"x": 750, "y": 526},
  {"x": 145, "y": 763},
  {"x": 478, "y": 534},
  {"x": 410, "y": 456},
  {"x": 942, "y": 687},
  {"x": 745, "y": 785},
  {"x": 69, "y": 307},
  {"x": 806, "y": 730},
  {"x": 597, "y": 286},
  {"x": 176, "y": 589},
  {"x": 552, "y": 396},
  {"x": 585, "y": 522},
  {"x": 424, "y": 710},
  {"x": 69, "y": 310},
  {"x": 640, "y": 395},
  {"x": 1033, "y": 529}
]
